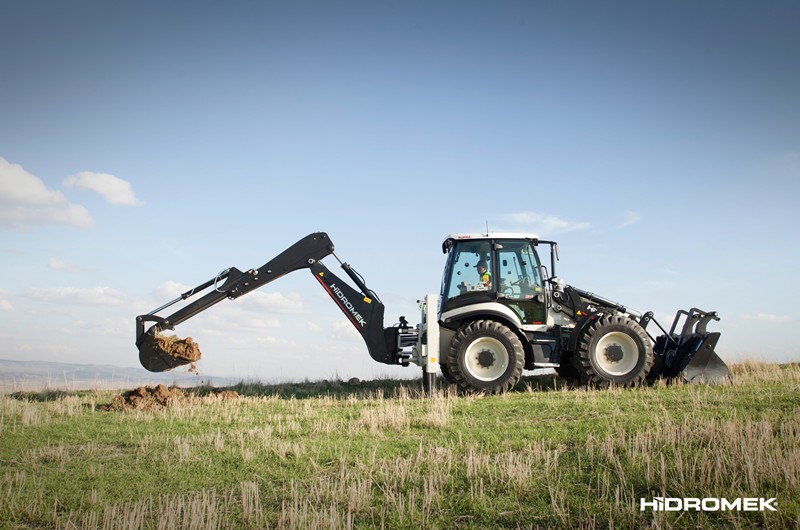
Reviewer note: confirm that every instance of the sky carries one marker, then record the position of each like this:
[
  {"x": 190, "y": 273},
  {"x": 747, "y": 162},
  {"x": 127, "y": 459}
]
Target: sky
[{"x": 145, "y": 146}]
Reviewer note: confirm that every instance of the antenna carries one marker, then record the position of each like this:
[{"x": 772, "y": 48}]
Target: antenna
[{"x": 487, "y": 228}]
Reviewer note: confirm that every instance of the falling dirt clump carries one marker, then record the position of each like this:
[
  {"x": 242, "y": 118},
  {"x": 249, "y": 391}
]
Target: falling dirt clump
[
  {"x": 147, "y": 398},
  {"x": 183, "y": 349}
]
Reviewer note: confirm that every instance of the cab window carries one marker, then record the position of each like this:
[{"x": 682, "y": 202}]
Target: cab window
[
  {"x": 463, "y": 276},
  {"x": 520, "y": 276}
]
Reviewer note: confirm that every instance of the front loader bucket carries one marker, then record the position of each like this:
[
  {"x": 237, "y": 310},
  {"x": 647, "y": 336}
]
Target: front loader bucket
[
  {"x": 159, "y": 353},
  {"x": 707, "y": 368},
  {"x": 701, "y": 364},
  {"x": 690, "y": 356}
]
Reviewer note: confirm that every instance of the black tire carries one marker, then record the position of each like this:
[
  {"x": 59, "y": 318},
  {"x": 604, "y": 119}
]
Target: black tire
[
  {"x": 446, "y": 374},
  {"x": 614, "y": 350},
  {"x": 485, "y": 356}
]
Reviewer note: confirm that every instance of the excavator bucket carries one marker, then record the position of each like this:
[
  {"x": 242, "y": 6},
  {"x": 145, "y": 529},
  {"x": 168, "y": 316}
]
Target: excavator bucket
[
  {"x": 159, "y": 353},
  {"x": 690, "y": 355}
]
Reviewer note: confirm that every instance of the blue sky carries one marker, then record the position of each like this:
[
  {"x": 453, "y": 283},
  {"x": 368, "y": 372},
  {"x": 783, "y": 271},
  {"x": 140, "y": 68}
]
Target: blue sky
[{"x": 144, "y": 146}]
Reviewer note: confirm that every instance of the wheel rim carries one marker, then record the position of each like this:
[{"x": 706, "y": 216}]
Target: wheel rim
[
  {"x": 617, "y": 353},
  {"x": 486, "y": 359}
]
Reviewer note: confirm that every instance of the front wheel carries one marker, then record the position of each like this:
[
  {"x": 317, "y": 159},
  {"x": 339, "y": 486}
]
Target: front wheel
[
  {"x": 485, "y": 356},
  {"x": 614, "y": 350},
  {"x": 446, "y": 374}
]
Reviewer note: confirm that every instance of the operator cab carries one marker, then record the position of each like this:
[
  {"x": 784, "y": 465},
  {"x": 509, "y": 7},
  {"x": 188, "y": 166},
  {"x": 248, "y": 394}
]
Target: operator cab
[{"x": 512, "y": 275}]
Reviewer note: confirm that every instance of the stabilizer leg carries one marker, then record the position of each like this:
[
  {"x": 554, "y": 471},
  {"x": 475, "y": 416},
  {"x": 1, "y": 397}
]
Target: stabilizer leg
[{"x": 428, "y": 382}]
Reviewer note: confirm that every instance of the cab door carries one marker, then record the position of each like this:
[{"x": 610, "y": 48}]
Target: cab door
[
  {"x": 519, "y": 283},
  {"x": 461, "y": 283}
]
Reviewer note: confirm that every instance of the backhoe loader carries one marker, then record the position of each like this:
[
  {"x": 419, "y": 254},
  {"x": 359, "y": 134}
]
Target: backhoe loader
[{"x": 485, "y": 326}]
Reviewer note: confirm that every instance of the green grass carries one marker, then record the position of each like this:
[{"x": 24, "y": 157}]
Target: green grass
[{"x": 336, "y": 455}]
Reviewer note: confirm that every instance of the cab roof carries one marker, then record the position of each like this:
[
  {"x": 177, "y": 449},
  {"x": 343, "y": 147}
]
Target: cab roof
[
  {"x": 519, "y": 236},
  {"x": 493, "y": 235}
]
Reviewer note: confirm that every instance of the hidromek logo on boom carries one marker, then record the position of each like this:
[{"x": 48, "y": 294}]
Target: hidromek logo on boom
[
  {"x": 348, "y": 305},
  {"x": 709, "y": 504}
]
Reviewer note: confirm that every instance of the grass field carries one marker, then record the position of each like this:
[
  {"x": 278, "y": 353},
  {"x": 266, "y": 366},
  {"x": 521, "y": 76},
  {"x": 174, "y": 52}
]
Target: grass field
[{"x": 377, "y": 455}]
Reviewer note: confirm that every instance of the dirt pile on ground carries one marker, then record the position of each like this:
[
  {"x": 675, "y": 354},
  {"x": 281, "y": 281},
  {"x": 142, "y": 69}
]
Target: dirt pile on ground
[
  {"x": 226, "y": 394},
  {"x": 147, "y": 398},
  {"x": 159, "y": 396}
]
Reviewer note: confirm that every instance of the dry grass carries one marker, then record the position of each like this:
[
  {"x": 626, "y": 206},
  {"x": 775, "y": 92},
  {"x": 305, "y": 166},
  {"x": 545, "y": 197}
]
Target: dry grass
[{"x": 539, "y": 458}]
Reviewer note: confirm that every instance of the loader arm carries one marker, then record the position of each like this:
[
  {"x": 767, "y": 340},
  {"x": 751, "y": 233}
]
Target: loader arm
[{"x": 363, "y": 308}]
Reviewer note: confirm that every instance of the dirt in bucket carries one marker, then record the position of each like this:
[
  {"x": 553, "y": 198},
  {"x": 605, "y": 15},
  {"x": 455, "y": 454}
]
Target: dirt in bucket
[{"x": 183, "y": 349}]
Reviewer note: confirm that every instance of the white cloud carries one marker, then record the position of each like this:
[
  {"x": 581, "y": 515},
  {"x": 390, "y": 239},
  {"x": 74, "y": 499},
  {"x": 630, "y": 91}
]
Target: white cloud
[
  {"x": 59, "y": 265},
  {"x": 24, "y": 200},
  {"x": 344, "y": 331},
  {"x": 229, "y": 322},
  {"x": 229, "y": 318},
  {"x": 544, "y": 224},
  {"x": 255, "y": 302},
  {"x": 5, "y": 305},
  {"x": 273, "y": 302},
  {"x": 170, "y": 290},
  {"x": 221, "y": 319},
  {"x": 631, "y": 218},
  {"x": 113, "y": 189},
  {"x": 768, "y": 317},
  {"x": 99, "y": 296},
  {"x": 108, "y": 327},
  {"x": 258, "y": 323}
]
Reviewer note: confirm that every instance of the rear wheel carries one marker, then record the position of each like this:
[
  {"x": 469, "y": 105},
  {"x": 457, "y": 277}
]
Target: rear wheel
[
  {"x": 485, "y": 356},
  {"x": 614, "y": 350}
]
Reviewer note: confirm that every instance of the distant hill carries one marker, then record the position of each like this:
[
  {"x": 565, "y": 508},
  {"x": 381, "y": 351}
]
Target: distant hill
[{"x": 38, "y": 375}]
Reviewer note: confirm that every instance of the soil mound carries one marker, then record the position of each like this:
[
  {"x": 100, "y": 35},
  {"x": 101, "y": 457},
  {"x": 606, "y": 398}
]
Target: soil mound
[
  {"x": 226, "y": 394},
  {"x": 147, "y": 398},
  {"x": 159, "y": 396}
]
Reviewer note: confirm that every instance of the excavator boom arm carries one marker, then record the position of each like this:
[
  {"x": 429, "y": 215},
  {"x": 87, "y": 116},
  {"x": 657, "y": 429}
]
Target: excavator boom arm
[{"x": 363, "y": 309}]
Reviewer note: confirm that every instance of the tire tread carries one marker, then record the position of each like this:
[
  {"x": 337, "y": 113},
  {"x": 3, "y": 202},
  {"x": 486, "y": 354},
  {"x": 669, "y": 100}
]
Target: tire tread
[
  {"x": 468, "y": 333},
  {"x": 582, "y": 358}
]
